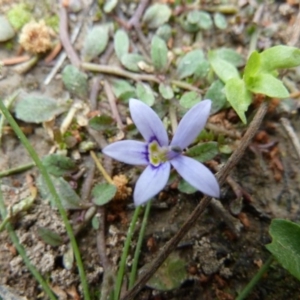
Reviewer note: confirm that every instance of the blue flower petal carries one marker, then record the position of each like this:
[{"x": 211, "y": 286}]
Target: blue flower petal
[
  {"x": 151, "y": 182},
  {"x": 129, "y": 152},
  {"x": 147, "y": 122},
  {"x": 197, "y": 175},
  {"x": 191, "y": 124}
]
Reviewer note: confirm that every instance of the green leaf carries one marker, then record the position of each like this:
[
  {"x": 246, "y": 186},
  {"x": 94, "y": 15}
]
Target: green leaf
[
  {"x": 193, "y": 17},
  {"x": 204, "y": 152},
  {"x": 267, "y": 84},
  {"x": 50, "y": 237},
  {"x": 164, "y": 32},
  {"x": 224, "y": 70},
  {"x": 101, "y": 123},
  {"x": 285, "y": 245},
  {"x": 123, "y": 90},
  {"x": 130, "y": 61},
  {"x": 185, "y": 187},
  {"x": 144, "y": 93},
  {"x": 230, "y": 56},
  {"x": 220, "y": 21},
  {"x": 75, "y": 81},
  {"x": 170, "y": 275},
  {"x": 95, "y": 42},
  {"x": 121, "y": 43},
  {"x": 252, "y": 67},
  {"x": 69, "y": 198},
  {"x": 156, "y": 15},
  {"x": 189, "y": 99},
  {"x": 68, "y": 258},
  {"x": 205, "y": 21},
  {"x": 189, "y": 63},
  {"x": 58, "y": 165},
  {"x": 19, "y": 15},
  {"x": 166, "y": 91},
  {"x": 202, "y": 69},
  {"x": 103, "y": 193},
  {"x": 217, "y": 95},
  {"x": 280, "y": 57},
  {"x": 238, "y": 96},
  {"x": 109, "y": 5},
  {"x": 159, "y": 53},
  {"x": 38, "y": 109}
]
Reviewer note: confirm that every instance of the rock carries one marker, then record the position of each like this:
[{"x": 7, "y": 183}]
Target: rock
[{"x": 6, "y": 30}]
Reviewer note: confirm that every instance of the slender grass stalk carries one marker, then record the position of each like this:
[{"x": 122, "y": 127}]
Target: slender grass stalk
[
  {"x": 249, "y": 287},
  {"x": 22, "y": 252},
  {"x": 55, "y": 195},
  {"x": 138, "y": 247},
  {"x": 121, "y": 270},
  {"x": 17, "y": 169},
  {"x": 100, "y": 168}
]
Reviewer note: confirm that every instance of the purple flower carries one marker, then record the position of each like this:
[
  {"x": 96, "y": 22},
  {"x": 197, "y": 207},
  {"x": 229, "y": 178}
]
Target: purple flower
[{"x": 158, "y": 155}]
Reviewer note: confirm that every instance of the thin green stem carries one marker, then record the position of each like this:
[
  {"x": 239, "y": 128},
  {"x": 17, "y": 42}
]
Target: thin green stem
[
  {"x": 139, "y": 246},
  {"x": 249, "y": 287},
  {"x": 17, "y": 169},
  {"x": 22, "y": 252},
  {"x": 122, "y": 265},
  {"x": 55, "y": 195}
]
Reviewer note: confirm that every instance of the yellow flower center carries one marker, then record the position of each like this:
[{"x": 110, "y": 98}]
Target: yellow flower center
[{"x": 157, "y": 155}]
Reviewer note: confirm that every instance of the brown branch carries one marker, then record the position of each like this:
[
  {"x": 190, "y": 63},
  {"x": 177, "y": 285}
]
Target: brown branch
[
  {"x": 64, "y": 37},
  {"x": 221, "y": 175}
]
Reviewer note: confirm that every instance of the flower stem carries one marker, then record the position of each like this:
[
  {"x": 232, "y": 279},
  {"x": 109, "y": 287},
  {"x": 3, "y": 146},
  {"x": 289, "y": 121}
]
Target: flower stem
[
  {"x": 100, "y": 168},
  {"x": 138, "y": 246},
  {"x": 54, "y": 194},
  {"x": 121, "y": 270},
  {"x": 248, "y": 288},
  {"x": 22, "y": 252}
]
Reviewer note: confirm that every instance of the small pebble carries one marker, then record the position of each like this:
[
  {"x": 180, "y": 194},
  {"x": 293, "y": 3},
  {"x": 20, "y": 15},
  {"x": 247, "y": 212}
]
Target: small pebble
[{"x": 6, "y": 30}]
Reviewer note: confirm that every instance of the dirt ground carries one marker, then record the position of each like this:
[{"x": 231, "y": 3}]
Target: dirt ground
[{"x": 226, "y": 247}]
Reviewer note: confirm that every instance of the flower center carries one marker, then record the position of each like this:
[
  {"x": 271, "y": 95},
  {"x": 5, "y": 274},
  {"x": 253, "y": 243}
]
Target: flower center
[{"x": 157, "y": 154}]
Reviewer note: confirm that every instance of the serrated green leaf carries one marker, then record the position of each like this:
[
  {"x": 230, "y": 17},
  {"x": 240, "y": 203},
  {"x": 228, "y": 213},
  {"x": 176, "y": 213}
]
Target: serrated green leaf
[
  {"x": 38, "y": 109},
  {"x": 238, "y": 96},
  {"x": 95, "y": 42},
  {"x": 285, "y": 245},
  {"x": 166, "y": 91},
  {"x": 220, "y": 21},
  {"x": 58, "y": 165},
  {"x": 130, "y": 61},
  {"x": 103, "y": 193},
  {"x": 100, "y": 123},
  {"x": 222, "y": 68},
  {"x": 69, "y": 199},
  {"x": 121, "y": 43},
  {"x": 170, "y": 275},
  {"x": 144, "y": 93},
  {"x": 75, "y": 81},
  {"x": 205, "y": 21},
  {"x": 156, "y": 15},
  {"x": 123, "y": 90},
  {"x": 267, "y": 84},
  {"x": 230, "y": 56},
  {"x": 109, "y": 6},
  {"x": 189, "y": 63},
  {"x": 189, "y": 99},
  {"x": 50, "y": 237},
  {"x": 217, "y": 95},
  {"x": 159, "y": 53},
  {"x": 204, "y": 152},
  {"x": 279, "y": 57}
]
